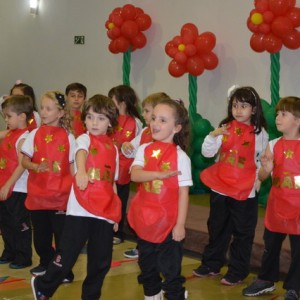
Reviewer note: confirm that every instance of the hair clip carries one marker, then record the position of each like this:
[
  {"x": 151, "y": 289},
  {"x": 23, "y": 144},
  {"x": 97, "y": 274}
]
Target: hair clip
[
  {"x": 61, "y": 99},
  {"x": 231, "y": 90},
  {"x": 18, "y": 81},
  {"x": 179, "y": 101}
]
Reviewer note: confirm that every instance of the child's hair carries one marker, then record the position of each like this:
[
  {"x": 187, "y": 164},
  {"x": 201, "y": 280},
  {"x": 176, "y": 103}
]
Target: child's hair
[
  {"x": 290, "y": 104},
  {"x": 101, "y": 104},
  {"x": 124, "y": 93},
  {"x": 60, "y": 102},
  {"x": 19, "y": 104},
  {"x": 27, "y": 91},
  {"x": 180, "y": 138},
  {"x": 76, "y": 86},
  {"x": 249, "y": 95},
  {"x": 154, "y": 99}
]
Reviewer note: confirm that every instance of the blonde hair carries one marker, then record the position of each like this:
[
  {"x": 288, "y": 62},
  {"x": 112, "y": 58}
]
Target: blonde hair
[{"x": 154, "y": 99}]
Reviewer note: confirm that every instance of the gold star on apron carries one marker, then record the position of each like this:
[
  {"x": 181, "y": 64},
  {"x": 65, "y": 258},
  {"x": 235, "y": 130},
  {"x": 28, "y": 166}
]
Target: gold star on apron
[
  {"x": 165, "y": 166},
  {"x": 225, "y": 138},
  {"x": 246, "y": 144},
  {"x": 289, "y": 154},
  {"x": 61, "y": 148},
  {"x": 93, "y": 151},
  {"x": 30, "y": 121},
  {"x": 156, "y": 153},
  {"x": 9, "y": 146},
  {"x": 56, "y": 166},
  {"x": 49, "y": 138},
  {"x": 238, "y": 131},
  {"x": 128, "y": 133},
  {"x": 3, "y": 162},
  {"x": 36, "y": 148}
]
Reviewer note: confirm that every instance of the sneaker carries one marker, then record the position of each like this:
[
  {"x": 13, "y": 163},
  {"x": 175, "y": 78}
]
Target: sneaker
[
  {"x": 14, "y": 265},
  {"x": 37, "y": 294},
  {"x": 258, "y": 287},
  {"x": 69, "y": 278},
  {"x": 5, "y": 260},
  {"x": 291, "y": 295},
  {"x": 204, "y": 271},
  {"x": 131, "y": 253},
  {"x": 117, "y": 241},
  {"x": 38, "y": 271},
  {"x": 229, "y": 282}
]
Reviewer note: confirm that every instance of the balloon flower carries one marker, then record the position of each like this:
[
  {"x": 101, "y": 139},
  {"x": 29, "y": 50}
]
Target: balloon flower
[
  {"x": 274, "y": 23},
  {"x": 190, "y": 52},
  {"x": 125, "y": 27}
]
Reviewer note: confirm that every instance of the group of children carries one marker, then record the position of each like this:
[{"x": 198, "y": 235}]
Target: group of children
[{"x": 77, "y": 190}]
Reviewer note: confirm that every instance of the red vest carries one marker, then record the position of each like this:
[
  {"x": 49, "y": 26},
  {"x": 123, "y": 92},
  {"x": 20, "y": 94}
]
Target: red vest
[
  {"x": 99, "y": 197},
  {"x": 124, "y": 133},
  {"x": 9, "y": 156},
  {"x": 283, "y": 207},
  {"x": 235, "y": 172},
  {"x": 146, "y": 136},
  {"x": 32, "y": 123},
  {"x": 153, "y": 210},
  {"x": 77, "y": 124},
  {"x": 50, "y": 190}
]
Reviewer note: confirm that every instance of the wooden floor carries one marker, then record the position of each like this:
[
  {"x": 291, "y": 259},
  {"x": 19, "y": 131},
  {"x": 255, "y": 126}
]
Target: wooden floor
[{"x": 121, "y": 282}]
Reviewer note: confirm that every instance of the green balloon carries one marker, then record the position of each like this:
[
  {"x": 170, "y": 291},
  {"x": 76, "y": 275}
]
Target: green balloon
[
  {"x": 265, "y": 105},
  {"x": 196, "y": 144},
  {"x": 202, "y": 127}
]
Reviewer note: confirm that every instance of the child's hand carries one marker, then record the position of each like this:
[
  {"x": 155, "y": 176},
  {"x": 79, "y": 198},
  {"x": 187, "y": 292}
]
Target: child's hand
[
  {"x": 116, "y": 227},
  {"x": 4, "y": 192},
  {"x": 267, "y": 163},
  {"x": 178, "y": 233},
  {"x": 43, "y": 167},
  {"x": 127, "y": 148},
  {"x": 82, "y": 180},
  {"x": 167, "y": 174},
  {"x": 220, "y": 130}
]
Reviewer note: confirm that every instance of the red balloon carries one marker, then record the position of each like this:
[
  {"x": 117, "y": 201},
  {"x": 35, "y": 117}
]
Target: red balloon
[
  {"x": 176, "y": 69},
  {"x": 205, "y": 42},
  {"x": 268, "y": 17},
  {"x": 252, "y": 27},
  {"x": 117, "y": 20},
  {"x": 261, "y": 5},
  {"x": 143, "y": 21},
  {"x": 195, "y": 66},
  {"x": 294, "y": 15},
  {"x": 189, "y": 29},
  {"x": 190, "y": 50},
  {"x": 177, "y": 40},
  {"x": 139, "y": 41},
  {"x": 117, "y": 11},
  {"x": 129, "y": 29},
  {"x": 138, "y": 11},
  {"x": 264, "y": 28},
  {"x": 114, "y": 33},
  {"x": 210, "y": 60},
  {"x": 292, "y": 40},
  {"x": 257, "y": 42},
  {"x": 281, "y": 26},
  {"x": 180, "y": 57},
  {"x": 128, "y": 12},
  {"x": 187, "y": 39},
  {"x": 171, "y": 51},
  {"x": 122, "y": 44},
  {"x": 112, "y": 47},
  {"x": 279, "y": 7},
  {"x": 272, "y": 43}
]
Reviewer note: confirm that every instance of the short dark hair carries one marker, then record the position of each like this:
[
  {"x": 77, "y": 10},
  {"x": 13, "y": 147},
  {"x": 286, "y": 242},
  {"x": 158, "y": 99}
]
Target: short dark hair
[{"x": 76, "y": 86}]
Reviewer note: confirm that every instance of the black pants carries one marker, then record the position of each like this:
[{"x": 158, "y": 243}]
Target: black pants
[
  {"x": 270, "y": 260},
  {"x": 232, "y": 221},
  {"x": 16, "y": 229},
  {"x": 164, "y": 258},
  {"x": 77, "y": 231},
  {"x": 46, "y": 225}
]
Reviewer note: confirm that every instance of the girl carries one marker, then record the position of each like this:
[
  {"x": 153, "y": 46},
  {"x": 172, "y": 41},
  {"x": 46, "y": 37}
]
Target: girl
[
  {"x": 129, "y": 126},
  {"x": 281, "y": 159},
  {"x": 158, "y": 211},
  {"x": 48, "y": 156},
  {"x": 241, "y": 138},
  {"x": 93, "y": 208}
]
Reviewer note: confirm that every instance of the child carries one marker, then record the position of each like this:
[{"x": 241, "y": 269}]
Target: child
[
  {"x": 93, "y": 207},
  {"x": 15, "y": 218},
  {"x": 129, "y": 148},
  {"x": 26, "y": 90},
  {"x": 76, "y": 95},
  {"x": 281, "y": 159},
  {"x": 158, "y": 211},
  {"x": 241, "y": 138},
  {"x": 48, "y": 156},
  {"x": 129, "y": 127}
]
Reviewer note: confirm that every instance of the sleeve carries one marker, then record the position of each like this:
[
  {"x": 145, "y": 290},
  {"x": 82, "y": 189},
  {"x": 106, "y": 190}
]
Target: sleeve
[
  {"x": 21, "y": 137},
  {"x": 139, "y": 126},
  {"x": 184, "y": 166},
  {"x": 82, "y": 143},
  {"x": 139, "y": 158},
  {"x": 28, "y": 145},
  {"x": 37, "y": 118},
  {"x": 72, "y": 148},
  {"x": 211, "y": 145},
  {"x": 261, "y": 142},
  {"x": 117, "y": 165}
]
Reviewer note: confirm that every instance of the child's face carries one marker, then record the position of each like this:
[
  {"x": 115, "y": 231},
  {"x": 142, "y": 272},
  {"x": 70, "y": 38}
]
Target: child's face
[
  {"x": 287, "y": 123},
  {"x": 96, "y": 124},
  {"x": 242, "y": 111},
  {"x": 147, "y": 113},
  {"x": 17, "y": 92},
  {"x": 12, "y": 119},
  {"x": 75, "y": 99},
  {"x": 162, "y": 124},
  {"x": 50, "y": 112}
]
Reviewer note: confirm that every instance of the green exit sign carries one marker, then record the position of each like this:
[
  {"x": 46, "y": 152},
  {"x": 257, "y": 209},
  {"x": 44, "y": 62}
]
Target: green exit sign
[{"x": 79, "y": 39}]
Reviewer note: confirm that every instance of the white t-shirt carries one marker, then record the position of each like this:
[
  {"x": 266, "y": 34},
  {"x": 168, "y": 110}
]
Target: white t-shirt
[
  {"x": 183, "y": 164},
  {"x": 73, "y": 207}
]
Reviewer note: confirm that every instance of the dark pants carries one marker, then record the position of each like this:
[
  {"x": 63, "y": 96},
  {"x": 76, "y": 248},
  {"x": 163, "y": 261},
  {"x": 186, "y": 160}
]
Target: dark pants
[
  {"x": 123, "y": 193},
  {"x": 78, "y": 231},
  {"x": 270, "y": 260},
  {"x": 16, "y": 229},
  {"x": 46, "y": 224},
  {"x": 164, "y": 258},
  {"x": 232, "y": 221}
]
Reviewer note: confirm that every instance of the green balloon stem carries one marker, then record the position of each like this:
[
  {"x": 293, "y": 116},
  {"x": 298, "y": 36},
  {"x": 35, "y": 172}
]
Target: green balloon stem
[
  {"x": 275, "y": 77},
  {"x": 192, "y": 98},
  {"x": 126, "y": 67}
]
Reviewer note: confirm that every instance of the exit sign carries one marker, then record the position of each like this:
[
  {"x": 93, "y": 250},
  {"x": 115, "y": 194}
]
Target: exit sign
[{"x": 79, "y": 39}]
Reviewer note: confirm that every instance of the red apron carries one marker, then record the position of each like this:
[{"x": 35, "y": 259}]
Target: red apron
[{"x": 77, "y": 124}]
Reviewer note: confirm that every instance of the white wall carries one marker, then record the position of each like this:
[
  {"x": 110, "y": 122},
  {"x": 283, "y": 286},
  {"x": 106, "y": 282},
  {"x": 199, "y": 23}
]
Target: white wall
[{"x": 40, "y": 50}]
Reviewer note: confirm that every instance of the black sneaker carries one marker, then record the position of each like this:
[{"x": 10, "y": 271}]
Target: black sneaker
[
  {"x": 291, "y": 295},
  {"x": 15, "y": 265},
  {"x": 204, "y": 271},
  {"x": 37, "y": 294},
  {"x": 258, "y": 287},
  {"x": 5, "y": 260},
  {"x": 38, "y": 271},
  {"x": 69, "y": 278}
]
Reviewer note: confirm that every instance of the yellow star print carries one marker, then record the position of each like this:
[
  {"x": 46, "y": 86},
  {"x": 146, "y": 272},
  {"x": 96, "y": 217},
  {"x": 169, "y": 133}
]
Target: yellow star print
[
  {"x": 49, "y": 138},
  {"x": 61, "y": 148},
  {"x": 94, "y": 151},
  {"x": 156, "y": 153},
  {"x": 238, "y": 131},
  {"x": 36, "y": 148},
  {"x": 246, "y": 144},
  {"x": 3, "y": 162},
  {"x": 165, "y": 166},
  {"x": 128, "y": 133},
  {"x": 289, "y": 154}
]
